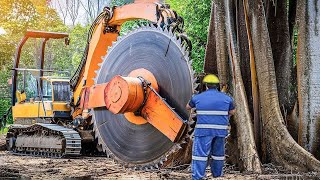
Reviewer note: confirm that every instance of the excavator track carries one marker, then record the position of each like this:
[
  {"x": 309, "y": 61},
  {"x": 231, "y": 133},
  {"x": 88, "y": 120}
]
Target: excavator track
[
  {"x": 143, "y": 146},
  {"x": 45, "y": 140}
]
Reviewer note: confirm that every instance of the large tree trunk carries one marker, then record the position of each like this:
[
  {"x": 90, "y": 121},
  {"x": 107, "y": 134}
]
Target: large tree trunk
[
  {"x": 254, "y": 83},
  {"x": 308, "y": 71},
  {"x": 278, "y": 26},
  {"x": 247, "y": 149},
  {"x": 282, "y": 148}
]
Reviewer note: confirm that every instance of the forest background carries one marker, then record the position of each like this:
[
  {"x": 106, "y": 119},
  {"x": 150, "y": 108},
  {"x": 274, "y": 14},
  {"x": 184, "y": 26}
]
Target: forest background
[{"x": 75, "y": 18}]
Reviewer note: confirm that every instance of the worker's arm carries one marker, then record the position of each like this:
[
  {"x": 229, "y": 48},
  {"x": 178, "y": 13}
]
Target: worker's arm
[
  {"x": 232, "y": 109},
  {"x": 188, "y": 107},
  {"x": 232, "y": 112},
  {"x": 190, "y": 104}
]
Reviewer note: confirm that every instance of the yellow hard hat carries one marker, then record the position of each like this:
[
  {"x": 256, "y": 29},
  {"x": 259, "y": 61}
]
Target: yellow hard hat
[{"x": 211, "y": 79}]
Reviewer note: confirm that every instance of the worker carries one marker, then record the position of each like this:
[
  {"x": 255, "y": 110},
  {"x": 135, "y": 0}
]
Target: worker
[{"x": 213, "y": 109}]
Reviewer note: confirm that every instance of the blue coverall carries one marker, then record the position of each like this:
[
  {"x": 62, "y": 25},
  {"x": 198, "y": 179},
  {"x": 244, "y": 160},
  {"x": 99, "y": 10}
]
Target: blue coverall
[{"x": 212, "y": 108}]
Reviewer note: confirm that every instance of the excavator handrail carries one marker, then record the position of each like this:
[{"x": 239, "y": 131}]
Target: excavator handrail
[
  {"x": 46, "y": 34},
  {"x": 40, "y": 70},
  {"x": 33, "y": 34}
]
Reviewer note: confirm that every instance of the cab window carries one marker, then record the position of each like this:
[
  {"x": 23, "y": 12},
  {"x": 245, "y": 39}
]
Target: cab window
[
  {"x": 61, "y": 91},
  {"x": 47, "y": 91}
]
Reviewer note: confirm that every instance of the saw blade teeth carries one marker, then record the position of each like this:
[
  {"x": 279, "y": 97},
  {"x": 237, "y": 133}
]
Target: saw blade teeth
[
  {"x": 187, "y": 53},
  {"x": 135, "y": 29},
  {"x": 190, "y": 64},
  {"x": 151, "y": 168},
  {"x": 194, "y": 80},
  {"x": 165, "y": 159},
  {"x": 179, "y": 146},
  {"x": 171, "y": 30},
  {"x": 166, "y": 30},
  {"x": 104, "y": 57},
  {"x": 171, "y": 33},
  {"x": 96, "y": 71},
  {"x": 179, "y": 40},
  {"x": 183, "y": 48}
]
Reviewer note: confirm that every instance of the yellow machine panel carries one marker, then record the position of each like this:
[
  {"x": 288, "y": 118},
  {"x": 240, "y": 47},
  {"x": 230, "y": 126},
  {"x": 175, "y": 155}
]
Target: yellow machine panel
[{"x": 35, "y": 109}]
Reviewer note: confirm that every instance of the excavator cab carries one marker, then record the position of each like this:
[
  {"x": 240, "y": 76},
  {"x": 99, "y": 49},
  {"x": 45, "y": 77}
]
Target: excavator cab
[{"x": 42, "y": 98}]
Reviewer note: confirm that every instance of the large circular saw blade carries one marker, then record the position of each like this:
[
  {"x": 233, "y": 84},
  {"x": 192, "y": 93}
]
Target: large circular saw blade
[{"x": 160, "y": 52}]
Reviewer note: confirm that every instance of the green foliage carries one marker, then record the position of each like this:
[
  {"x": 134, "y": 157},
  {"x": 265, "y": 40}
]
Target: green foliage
[
  {"x": 5, "y": 105},
  {"x": 18, "y": 16},
  {"x": 67, "y": 58},
  {"x": 196, "y": 14}
]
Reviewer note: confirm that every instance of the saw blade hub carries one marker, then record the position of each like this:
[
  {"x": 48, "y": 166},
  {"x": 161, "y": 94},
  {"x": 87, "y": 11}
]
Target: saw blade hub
[{"x": 128, "y": 94}]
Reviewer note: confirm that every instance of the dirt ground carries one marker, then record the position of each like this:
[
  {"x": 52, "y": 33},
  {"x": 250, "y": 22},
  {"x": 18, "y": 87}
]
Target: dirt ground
[
  {"x": 26, "y": 167},
  {"x": 87, "y": 168}
]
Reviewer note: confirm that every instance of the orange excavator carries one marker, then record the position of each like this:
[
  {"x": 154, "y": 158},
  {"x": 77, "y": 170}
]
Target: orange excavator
[{"x": 128, "y": 94}]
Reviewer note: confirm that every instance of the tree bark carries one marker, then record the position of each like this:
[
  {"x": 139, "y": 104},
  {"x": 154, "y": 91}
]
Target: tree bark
[
  {"x": 221, "y": 42},
  {"x": 308, "y": 60},
  {"x": 210, "y": 59},
  {"x": 282, "y": 147},
  {"x": 249, "y": 159},
  {"x": 244, "y": 55}
]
